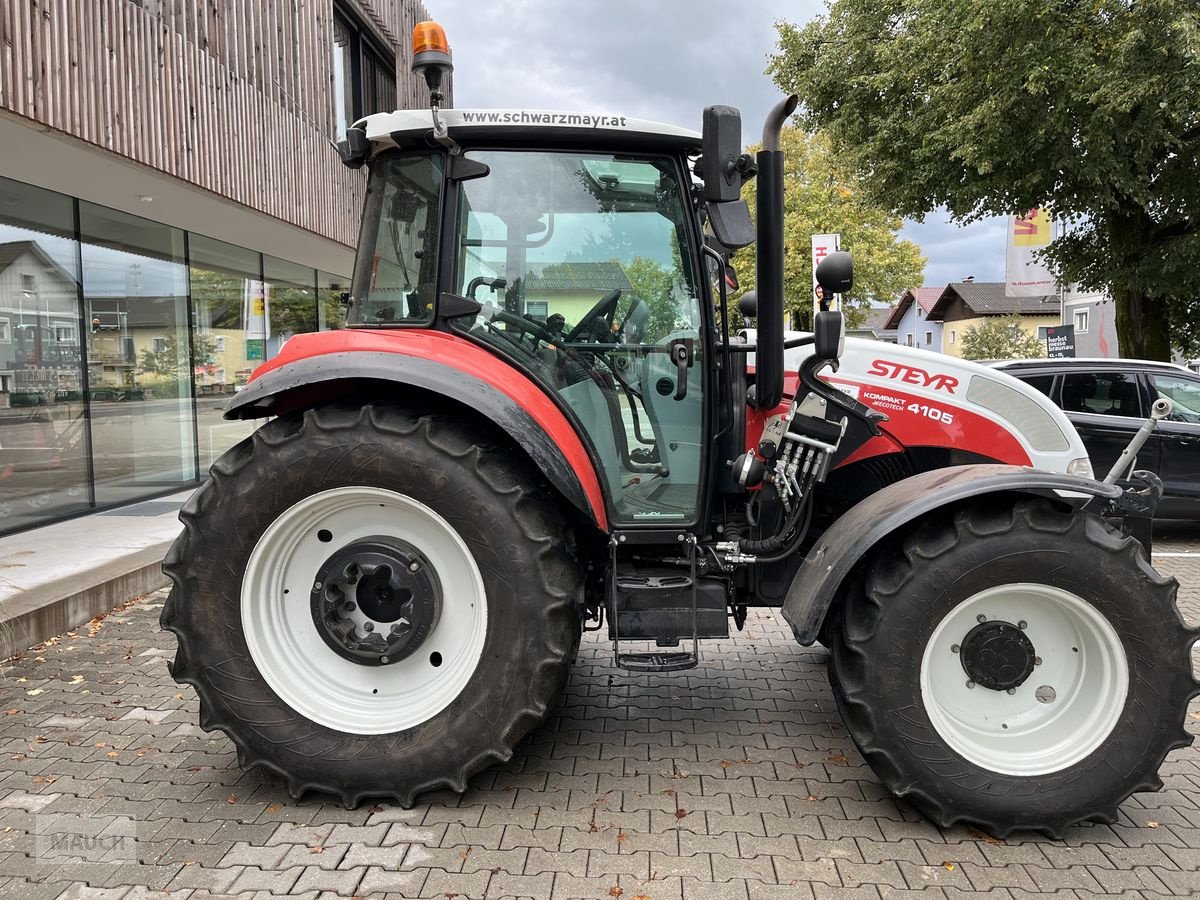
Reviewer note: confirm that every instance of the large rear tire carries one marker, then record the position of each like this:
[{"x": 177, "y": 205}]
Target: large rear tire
[
  {"x": 1016, "y": 667},
  {"x": 373, "y": 603}
]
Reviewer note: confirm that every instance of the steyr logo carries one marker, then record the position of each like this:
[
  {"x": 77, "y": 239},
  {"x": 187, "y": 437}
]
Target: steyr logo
[{"x": 913, "y": 375}]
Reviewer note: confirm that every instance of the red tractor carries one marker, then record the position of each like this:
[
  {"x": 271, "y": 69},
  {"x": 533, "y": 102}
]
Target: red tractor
[{"x": 538, "y": 421}]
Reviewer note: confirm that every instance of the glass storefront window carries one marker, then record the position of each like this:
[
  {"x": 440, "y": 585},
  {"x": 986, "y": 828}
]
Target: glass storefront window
[
  {"x": 43, "y": 421},
  {"x": 138, "y": 354},
  {"x": 331, "y": 309},
  {"x": 227, "y": 339},
  {"x": 291, "y": 301}
]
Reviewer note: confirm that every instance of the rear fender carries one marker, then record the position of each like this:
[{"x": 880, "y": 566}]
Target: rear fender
[
  {"x": 851, "y": 538},
  {"x": 313, "y": 368}
]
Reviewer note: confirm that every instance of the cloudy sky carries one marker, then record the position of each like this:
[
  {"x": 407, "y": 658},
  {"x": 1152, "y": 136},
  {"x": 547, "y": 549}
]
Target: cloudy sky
[{"x": 663, "y": 60}]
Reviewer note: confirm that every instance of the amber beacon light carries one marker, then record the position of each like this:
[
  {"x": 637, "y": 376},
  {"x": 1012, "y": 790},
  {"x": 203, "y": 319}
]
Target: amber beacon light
[{"x": 431, "y": 57}]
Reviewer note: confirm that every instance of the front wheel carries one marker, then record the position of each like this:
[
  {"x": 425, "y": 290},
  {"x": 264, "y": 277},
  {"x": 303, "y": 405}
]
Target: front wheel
[
  {"x": 1017, "y": 667},
  {"x": 372, "y": 603}
]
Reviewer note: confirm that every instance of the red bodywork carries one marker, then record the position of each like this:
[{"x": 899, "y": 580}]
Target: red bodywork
[
  {"x": 470, "y": 359},
  {"x": 969, "y": 432}
]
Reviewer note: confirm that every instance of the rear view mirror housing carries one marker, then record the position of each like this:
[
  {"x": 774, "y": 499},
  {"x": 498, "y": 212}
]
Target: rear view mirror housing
[
  {"x": 720, "y": 149},
  {"x": 835, "y": 273},
  {"x": 827, "y": 335}
]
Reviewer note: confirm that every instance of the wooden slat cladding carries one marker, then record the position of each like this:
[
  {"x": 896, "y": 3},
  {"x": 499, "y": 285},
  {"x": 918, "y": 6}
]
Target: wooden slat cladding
[{"x": 235, "y": 96}]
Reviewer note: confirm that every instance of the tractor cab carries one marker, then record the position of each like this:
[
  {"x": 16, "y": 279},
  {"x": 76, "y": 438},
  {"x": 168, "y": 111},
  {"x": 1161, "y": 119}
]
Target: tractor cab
[{"x": 576, "y": 265}]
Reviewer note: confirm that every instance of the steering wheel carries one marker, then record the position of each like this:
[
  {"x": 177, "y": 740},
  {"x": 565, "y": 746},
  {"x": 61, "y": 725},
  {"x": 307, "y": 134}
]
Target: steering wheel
[
  {"x": 522, "y": 324},
  {"x": 605, "y": 308}
]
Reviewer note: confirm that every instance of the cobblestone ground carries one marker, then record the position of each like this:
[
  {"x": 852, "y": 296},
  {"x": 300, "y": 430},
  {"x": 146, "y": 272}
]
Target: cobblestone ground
[{"x": 734, "y": 780}]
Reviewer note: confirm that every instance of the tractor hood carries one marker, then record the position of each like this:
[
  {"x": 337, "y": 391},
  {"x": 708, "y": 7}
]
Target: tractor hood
[{"x": 935, "y": 400}]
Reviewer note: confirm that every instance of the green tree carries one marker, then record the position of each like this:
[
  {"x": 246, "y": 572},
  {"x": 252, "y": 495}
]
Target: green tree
[
  {"x": 1001, "y": 337},
  {"x": 823, "y": 196},
  {"x": 993, "y": 108},
  {"x": 170, "y": 361}
]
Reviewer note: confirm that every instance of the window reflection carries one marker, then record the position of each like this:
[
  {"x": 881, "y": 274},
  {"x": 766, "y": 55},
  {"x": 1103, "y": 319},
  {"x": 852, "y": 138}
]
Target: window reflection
[
  {"x": 227, "y": 315},
  {"x": 43, "y": 428},
  {"x": 135, "y": 290},
  {"x": 291, "y": 301}
]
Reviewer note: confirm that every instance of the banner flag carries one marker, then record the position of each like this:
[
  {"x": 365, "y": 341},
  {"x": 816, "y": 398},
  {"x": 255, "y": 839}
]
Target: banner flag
[{"x": 1026, "y": 234}]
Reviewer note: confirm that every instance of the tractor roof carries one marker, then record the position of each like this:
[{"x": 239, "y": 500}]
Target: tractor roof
[{"x": 530, "y": 127}]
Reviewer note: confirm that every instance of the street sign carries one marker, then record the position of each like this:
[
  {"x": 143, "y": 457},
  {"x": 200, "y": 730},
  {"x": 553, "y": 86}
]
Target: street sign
[{"x": 1060, "y": 342}]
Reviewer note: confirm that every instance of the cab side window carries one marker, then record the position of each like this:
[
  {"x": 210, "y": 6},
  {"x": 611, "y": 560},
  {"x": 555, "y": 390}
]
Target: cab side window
[{"x": 1104, "y": 393}]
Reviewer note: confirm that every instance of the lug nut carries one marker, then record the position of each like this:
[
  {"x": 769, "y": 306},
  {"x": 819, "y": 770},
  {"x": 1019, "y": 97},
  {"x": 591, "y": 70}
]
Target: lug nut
[
  {"x": 1037, "y": 660},
  {"x": 970, "y": 684},
  {"x": 1022, "y": 624},
  {"x": 1012, "y": 690},
  {"x": 413, "y": 566},
  {"x": 368, "y": 626},
  {"x": 981, "y": 618},
  {"x": 349, "y": 607},
  {"x": 316, "y": 585},
  {"x": 384, "y": 660},
  {"x": 954, "y": 648}
]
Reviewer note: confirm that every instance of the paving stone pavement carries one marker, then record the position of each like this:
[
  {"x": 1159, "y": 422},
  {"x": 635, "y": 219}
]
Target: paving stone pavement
[{"x": 734, "y": 780}]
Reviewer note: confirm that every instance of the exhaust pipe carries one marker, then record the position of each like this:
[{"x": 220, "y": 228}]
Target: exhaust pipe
[{"x": 768, "y": 357}]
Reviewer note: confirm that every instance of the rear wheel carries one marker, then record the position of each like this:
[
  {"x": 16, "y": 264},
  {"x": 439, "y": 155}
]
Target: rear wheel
[
  {"x": 1018, "y": 667},
  {"x": 372, "y": 603}
]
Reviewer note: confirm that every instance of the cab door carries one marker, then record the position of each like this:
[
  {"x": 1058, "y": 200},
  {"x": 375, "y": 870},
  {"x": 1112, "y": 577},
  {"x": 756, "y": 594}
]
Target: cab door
[{"x": 584, "y": 266}]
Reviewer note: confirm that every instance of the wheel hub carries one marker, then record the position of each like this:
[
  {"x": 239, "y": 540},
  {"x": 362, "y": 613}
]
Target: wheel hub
[
  {"x": 998, "y": 655},
  {"x": 375, "y": 601}
]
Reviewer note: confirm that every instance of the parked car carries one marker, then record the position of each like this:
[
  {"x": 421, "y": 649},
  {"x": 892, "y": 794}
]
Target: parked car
[{"x": 1109, "y": 399}]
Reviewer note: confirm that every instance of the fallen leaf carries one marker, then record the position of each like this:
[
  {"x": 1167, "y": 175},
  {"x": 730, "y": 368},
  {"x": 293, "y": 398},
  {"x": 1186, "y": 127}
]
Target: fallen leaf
[
  {"x": 839, "y": 758},
  {"x": 680, "y": 813},
  {"x": 1151, "y": 824},
  {"x": 274, "y": 807},
  {"x": 727, "y": 764},
  {"x": 40, "y": 739},
  {"x": 811, "y": 797},
  {"x": 232, "y": 798},
  {"x": 670, "y": 792},
  {"x": 615, "y": 891},
  {"x": 34, "y": 692},
  {"x": 112, "y": 754},
  {"x": 948, "y": 866},
  {"x": 375, "y": 809},
  {"x": 100, "y": 745},
  {"x": 465, "y": 854},
  {"x": 12, "y": 712},
  {"x": 640, "y": 897},
  {"x": 622, "y": 837},
  {"x": 44, "y": 779},
  {"x": 22, "y": 680},
  {"x": 316, "y": 850},
  {"x": 76, "y": 679},
  {"x": 986, "y": 838}
]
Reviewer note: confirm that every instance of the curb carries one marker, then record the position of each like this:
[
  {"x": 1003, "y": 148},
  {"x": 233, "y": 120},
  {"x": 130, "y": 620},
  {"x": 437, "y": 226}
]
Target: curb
[{"x": 58, "y": 606}]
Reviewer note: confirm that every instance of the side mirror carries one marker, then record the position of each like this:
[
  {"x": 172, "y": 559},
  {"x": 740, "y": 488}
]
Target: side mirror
[
  {"x": 720, "y": 148},
  {"x": 827, "y": 335},
  {"x": 748, "y": 305},
  {"x": 835, "y": 273},
  {"x": 731, "y": 224}
]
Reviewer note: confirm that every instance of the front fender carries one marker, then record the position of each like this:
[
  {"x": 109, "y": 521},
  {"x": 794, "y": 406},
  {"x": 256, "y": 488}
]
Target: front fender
[
  {"x": 311, "y": 366},
  {"x": 852, "y": 537}
]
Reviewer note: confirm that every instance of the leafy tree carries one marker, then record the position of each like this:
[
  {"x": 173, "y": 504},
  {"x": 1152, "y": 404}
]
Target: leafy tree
[
  {"x": 992, "y": 108},
  {"x": 1001, "y": 337},
  {"x": 822, "y": 196},
  {"x": 171, "y": 359},
  {"x": 660, "y": 288}
]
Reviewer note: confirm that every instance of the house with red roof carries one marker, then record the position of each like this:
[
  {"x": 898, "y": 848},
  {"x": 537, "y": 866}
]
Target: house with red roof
[{"x": 910, "y": 319}]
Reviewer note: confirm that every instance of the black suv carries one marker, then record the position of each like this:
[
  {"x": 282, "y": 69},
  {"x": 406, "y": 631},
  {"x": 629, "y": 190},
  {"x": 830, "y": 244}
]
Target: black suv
[{"x": 1109, "y": 399}]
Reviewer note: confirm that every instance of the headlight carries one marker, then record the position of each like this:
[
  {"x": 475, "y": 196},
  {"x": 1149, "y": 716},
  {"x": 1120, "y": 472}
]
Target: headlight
[{"x": 1081, "y": 467}]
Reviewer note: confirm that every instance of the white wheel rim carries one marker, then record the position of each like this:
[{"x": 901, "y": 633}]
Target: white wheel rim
[
  {"x": 1082, "y": 661},
  {"x": 291, "y": 654}
]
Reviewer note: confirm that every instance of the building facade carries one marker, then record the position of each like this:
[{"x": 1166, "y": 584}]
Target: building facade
[
  {"x": 964, "y": 305},
  {"x": 909, "y": 319},
  {"x": 1094, "y": 316},
  {"x": 172, "y": 209}
]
